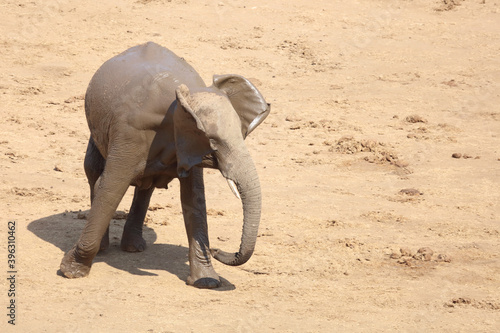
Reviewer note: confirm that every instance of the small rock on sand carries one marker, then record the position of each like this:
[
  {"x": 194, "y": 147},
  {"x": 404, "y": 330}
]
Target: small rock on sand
[
  {"x": 405, "y": 252},
  {"x": 410, "y": 191},
  {"x": 424, "y": 253}
]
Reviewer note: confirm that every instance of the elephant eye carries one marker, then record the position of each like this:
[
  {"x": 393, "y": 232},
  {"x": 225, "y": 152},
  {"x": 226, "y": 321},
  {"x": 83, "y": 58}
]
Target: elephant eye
[{"x": 213, "y": 144}]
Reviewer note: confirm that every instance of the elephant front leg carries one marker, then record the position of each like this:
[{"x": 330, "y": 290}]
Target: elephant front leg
[{"x": 202, "y": 273}]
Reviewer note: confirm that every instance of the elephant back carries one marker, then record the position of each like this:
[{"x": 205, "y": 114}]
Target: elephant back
[{"x": 141, "y": 79}]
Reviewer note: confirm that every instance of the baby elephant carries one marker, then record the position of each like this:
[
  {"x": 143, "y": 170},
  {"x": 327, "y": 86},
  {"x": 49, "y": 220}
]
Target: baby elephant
[{"x": 153, "y": 119}]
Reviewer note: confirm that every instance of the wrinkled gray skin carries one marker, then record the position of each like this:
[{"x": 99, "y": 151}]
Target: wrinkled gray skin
[{"x": 152, "y": 119}]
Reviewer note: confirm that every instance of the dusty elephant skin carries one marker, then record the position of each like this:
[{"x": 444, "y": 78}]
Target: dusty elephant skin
[{"x": 153, "y": 119}]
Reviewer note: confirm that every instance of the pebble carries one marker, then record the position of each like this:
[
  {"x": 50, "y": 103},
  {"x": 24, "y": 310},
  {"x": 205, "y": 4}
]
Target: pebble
[
  {"x": 406, "y": 261},
  {"x": 424, "y": 253},
  {"x": 410, "y": 191},
  {"x": 415, "y": 119},
  {"x": 120, "y": 215},
  {"x": 465, "y": 156},
  {"x": 405, "y": 252},
  {"x": 443, "y": 258},
  {"x": 406, "y": 256},
  {"x": 395, "y": 255}
]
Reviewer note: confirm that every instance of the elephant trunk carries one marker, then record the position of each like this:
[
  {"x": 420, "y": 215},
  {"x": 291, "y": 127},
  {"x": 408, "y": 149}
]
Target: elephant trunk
[{"x": 244, "y": 174}]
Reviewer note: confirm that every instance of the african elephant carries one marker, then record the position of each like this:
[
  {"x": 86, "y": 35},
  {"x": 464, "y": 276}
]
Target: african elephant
[{"x": 152, "y": 119}]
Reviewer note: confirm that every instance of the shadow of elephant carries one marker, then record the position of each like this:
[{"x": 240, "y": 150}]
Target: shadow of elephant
[{"x": 62, "y": 230}]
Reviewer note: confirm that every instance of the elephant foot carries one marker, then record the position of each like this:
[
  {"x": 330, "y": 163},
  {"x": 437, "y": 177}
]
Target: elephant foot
[
  {"x": 206, "y": 283},
  {"x": 205, "y": 278},
  {"x": 132, "y": 242},
  {"x": 72, "y": 266}
]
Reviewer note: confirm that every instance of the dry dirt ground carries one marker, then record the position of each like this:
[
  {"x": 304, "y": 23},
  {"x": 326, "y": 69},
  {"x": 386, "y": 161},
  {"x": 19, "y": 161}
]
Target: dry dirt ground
[{"x": 370, "y": 100}]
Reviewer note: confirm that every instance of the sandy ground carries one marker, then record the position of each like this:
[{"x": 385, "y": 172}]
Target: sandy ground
[{"x": 369, "y": 98}]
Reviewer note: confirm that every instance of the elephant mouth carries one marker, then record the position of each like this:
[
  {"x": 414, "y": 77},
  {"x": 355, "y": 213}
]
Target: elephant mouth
[{"x": 209, "y": 161}]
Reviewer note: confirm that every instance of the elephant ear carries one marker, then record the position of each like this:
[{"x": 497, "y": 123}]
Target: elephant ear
[
  {"x": 246, "y": 100},
  {"x": 191, "y": 142}
]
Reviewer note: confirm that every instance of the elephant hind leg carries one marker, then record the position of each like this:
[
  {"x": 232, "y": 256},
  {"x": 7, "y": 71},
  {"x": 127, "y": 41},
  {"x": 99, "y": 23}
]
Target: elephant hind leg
[
  {"x": 113, "y": 184},
  {"x": 132, "y": 240},
  {"x": 94, "y": 166}
]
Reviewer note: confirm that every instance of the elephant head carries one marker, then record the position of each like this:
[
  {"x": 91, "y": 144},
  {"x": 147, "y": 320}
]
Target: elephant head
[{"x": 212, "y": 123}]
